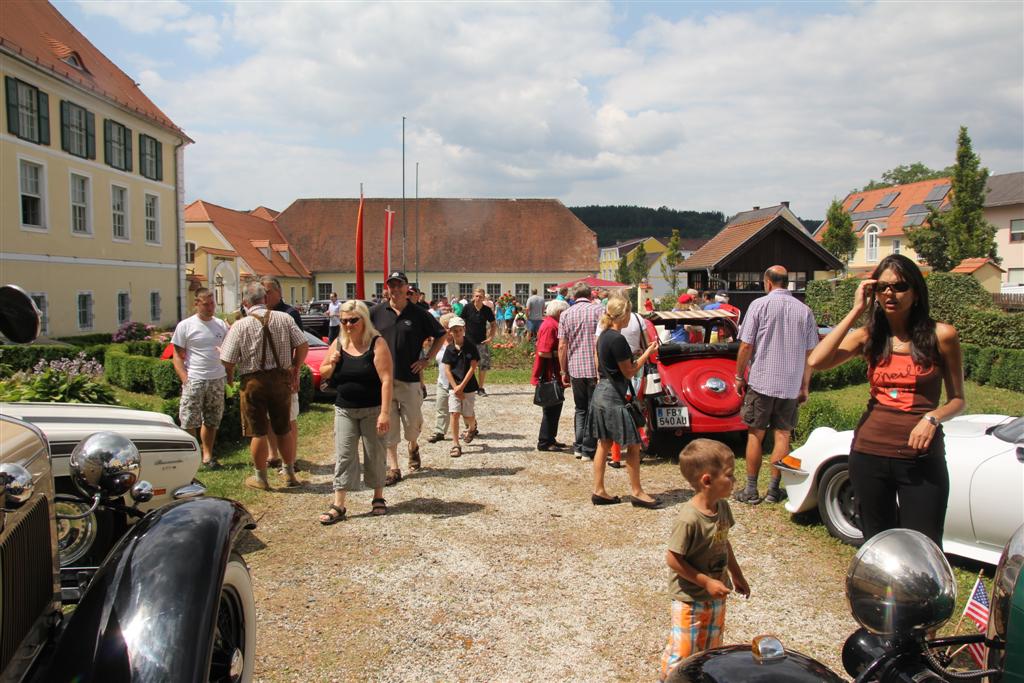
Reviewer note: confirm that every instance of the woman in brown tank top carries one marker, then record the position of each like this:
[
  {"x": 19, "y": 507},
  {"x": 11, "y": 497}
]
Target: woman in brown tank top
[{"x": 897, "y": 459}]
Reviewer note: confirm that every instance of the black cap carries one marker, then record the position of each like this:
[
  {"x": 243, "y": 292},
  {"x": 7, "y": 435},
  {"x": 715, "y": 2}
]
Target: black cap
[{"x": 398, "y": 275}]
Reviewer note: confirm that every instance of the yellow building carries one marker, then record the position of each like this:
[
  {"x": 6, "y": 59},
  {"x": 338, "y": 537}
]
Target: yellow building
[
  {"x": 610, "y": 256},
  {"x": 224, "y": 248},
  {"x": 90, "y": 181}
]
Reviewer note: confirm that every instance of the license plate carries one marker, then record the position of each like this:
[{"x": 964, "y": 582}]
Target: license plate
[{"x": 672, "y": 416}]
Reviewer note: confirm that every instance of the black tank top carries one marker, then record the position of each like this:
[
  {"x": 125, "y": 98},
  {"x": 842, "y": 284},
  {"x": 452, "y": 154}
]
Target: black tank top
[{"x": 357, "y": 380}]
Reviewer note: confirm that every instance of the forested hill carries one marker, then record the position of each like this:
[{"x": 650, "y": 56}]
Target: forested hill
[{"x": 618, "y": 223}]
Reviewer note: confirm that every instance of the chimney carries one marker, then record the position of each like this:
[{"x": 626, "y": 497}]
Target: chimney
[
  {"x": 785, "y": 204},
  {"x": 756, "y": 208}
]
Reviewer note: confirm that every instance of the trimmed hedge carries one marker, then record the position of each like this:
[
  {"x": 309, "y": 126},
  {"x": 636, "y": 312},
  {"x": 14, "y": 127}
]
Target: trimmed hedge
[
  {"x": 949, "y": 293},
  {"x": 830, "y": 300},
  {"x": 853, "y": 371},
  {"x": 820, "y": 412},
  {"x": 1002, "y": 368},
  {"x": 89, "y": 339},
  {"x": 230, "y": 429},
  {"x": 141, "y": 373},
  {"x": 25, "y": 357}
]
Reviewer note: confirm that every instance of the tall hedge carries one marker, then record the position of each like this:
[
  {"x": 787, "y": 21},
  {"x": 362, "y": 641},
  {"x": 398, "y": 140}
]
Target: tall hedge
[
  {"x": 25, "y": 357},
  {"x": 830, "y": 300},
  {"x": 141, "y": 373}
]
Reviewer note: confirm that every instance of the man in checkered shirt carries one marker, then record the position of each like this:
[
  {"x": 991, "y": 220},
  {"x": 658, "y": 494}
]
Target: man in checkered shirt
[
  {"x": 777, "y": 335},
  {"x": 577, "y": 347}
]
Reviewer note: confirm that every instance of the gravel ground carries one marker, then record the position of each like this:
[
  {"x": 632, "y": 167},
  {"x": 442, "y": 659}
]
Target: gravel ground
[{"x": 496, "y": 567}]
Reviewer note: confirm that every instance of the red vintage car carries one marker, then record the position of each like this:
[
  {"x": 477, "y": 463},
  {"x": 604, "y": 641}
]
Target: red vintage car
[{"x": 694, "y": 390}]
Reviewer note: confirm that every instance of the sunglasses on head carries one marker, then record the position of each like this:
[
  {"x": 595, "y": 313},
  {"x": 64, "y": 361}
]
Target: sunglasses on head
[
  {"x": 899, "y": 287},
  {"x": 350, "y": 321}
]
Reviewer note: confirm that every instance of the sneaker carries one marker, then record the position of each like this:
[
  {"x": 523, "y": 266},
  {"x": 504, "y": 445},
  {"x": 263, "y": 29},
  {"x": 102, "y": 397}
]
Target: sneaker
[
  {"x": 481, "y": 392},
  {"x": 254, "y": 482},
  {"x": 414, "y": 459},
  {"x": 211, "y": 465},
  {"x": 434, "y": 438},
  {"x": 274, "y": 463},
  {"x": 745, "y": 496},
  {"x": 776, "y": 495}
]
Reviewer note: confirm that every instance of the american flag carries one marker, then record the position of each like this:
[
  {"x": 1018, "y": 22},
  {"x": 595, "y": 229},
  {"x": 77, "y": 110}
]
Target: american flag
[{"x": 977, "y": 611}]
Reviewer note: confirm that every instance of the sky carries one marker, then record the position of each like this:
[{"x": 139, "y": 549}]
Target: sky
[{"x": 695, "y": 106}]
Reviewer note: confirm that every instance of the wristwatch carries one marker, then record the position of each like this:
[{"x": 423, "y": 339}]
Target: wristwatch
[{"x": 931, "y": 418}]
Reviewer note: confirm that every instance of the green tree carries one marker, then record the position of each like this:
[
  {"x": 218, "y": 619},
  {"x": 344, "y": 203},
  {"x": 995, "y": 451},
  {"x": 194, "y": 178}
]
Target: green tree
[
  {"x": 961, "y": 232},
  {"x": 639, "y": 268},
  {"x": 670, "y": 261},
  {"x": 839, "y": 237},
  {"x": 907, "y": 173},
  {"x": 624, "y": 272}
]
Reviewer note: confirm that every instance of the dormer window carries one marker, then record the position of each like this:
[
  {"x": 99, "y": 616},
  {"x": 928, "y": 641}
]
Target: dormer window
[
  {"x": 74, "y": 61},
  {"x": 266, "y": 252},
  {"x": 285, "y": 256}
]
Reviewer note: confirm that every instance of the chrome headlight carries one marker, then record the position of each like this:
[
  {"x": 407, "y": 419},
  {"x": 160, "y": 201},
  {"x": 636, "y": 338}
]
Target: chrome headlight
[
  {"x": 105, "y": 463},
  {"x": 74, "y": 536},
  {"x": 900, "y": 582},
  {"x": 17, "y": 484}
]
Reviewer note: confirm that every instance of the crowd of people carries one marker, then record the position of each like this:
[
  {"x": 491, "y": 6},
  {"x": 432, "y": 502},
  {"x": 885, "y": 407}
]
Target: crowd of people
[{"x": 597, "y": 347}]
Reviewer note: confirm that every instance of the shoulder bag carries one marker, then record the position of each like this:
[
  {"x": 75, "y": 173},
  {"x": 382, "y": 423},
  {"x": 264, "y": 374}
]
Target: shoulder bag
[{"x": 548, "y": 392}]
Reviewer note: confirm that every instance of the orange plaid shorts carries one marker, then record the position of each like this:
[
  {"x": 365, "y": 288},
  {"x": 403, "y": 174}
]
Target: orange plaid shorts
[{"x": 696, "y": 626}]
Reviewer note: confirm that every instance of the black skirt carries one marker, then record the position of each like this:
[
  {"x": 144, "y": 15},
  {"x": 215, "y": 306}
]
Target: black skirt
[{"x": 607, "y": 417}]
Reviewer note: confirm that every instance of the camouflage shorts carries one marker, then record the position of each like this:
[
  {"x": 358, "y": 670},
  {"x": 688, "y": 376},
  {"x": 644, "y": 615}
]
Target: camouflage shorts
[{"x": 202, "y": 403}]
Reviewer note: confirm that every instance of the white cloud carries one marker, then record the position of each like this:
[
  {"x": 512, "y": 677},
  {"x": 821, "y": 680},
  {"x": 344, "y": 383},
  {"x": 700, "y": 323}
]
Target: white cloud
[
  {"x": 155, "y": 16},
  {"x": 545, "y": 99}
]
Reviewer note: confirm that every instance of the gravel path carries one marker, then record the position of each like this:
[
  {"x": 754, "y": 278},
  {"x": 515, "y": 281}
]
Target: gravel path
[{"x": 496, "y": 567}]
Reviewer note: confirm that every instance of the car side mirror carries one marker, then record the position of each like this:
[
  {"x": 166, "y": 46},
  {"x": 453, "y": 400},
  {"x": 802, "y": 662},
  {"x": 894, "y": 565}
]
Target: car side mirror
[{"x": 19, "y": 317}]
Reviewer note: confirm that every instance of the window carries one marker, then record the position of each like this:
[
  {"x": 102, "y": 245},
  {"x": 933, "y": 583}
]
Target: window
[
  {"x": 548, "y": 294},
  {"x": 292, "y": 300},
  {"x": 493, "y": 290},
  {"x": 797, "y": 281},
  {"x": 378, "y": 290},
  {"x": 39, "y": 298},
  {"x": 303, "y": 299},
  {"x": 124, "y": 308},
  {"x": 744, "y": 281},
  {"x": 28, "y": 111},
  {"x": 190, "y": 252},
  {"x": 119, "y": 211},
  {"x": 77, "y": 130},
  {"x": 324, "y": 289},
  {"x": 465, "y": 290},
  {"x": 117, "y": 145},
  {"x": 80, "y": 223},
  {"x": 1015, "y": 276},
  {"x": 154, "y": 307},
  {"x": 522, "y": 292},
  {"x": 33, "y": 186},
  {"x": 85, "y": 310},
  {"x": 1017, "y": 230},
  {"x": 871, "y": 243},
  {"x": 895, "y": 246},
  {"x": 151, "y": 161},
  {"x": 350, "y": 291},
  {"x": 152, "y": 219},
  {"x": 438, "y": 291}
]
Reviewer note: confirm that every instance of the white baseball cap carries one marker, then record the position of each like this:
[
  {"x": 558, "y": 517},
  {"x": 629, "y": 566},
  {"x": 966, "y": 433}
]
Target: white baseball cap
[{"x": 456, "y": 321}]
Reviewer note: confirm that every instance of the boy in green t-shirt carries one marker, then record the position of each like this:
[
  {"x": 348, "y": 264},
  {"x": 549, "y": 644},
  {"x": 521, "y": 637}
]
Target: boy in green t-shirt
[{"x": 700, "y": 556}]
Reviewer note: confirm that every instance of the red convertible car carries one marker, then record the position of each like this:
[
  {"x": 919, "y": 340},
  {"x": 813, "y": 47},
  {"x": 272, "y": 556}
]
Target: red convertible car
[{"x": 694, "y": 391}]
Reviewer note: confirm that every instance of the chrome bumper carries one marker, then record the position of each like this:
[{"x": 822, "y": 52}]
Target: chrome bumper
[{"x": 193, "y": 490}]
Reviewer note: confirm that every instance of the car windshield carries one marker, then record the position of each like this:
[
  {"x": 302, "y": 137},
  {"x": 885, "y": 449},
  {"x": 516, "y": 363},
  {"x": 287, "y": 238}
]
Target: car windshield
[
  {"x": 1011, "y": 432},
  {"x": 318, "y": 307},
  {"x": 314, "y": 341}
]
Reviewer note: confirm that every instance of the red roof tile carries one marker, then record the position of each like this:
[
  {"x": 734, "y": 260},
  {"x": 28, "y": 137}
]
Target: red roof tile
[
  {"x": 264, "y": 212},
  {"x": 970, "y": 265},
  {"x": 246, "y": 233},
  {"x": 36, "y": 32},
  {"x": 456, "y": 235},
  {"x": 910, "y": 195}
]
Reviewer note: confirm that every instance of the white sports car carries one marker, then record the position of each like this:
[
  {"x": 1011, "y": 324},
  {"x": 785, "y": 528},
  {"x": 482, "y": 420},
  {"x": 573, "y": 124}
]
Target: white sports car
[{"x": 985, "y": 457}]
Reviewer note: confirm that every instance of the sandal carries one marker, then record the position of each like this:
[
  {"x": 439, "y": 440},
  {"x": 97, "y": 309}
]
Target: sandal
[
  {"x": 379, "y": 507},
  {"x": 332, "y": 518},
  {"x": 414, "y": 459},
  {"x": 455, "y": 452},
  {"x": 394, "y": 476},
  {"x": 470, "y": 435}
]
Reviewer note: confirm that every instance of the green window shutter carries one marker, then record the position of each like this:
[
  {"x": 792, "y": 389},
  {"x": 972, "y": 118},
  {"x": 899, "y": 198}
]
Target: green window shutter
[
  {"x": 142, "y": 154},
  {"x": 65, "y": 123},
  {"x": 107, "y": 152},
  {"x": 127, "y": 149},
  {"x": 11, "y": 86},
  {"x": 159, "y": 160},
  {"x": 44, "y": 118},
  {"x": 90, "y": 135}
]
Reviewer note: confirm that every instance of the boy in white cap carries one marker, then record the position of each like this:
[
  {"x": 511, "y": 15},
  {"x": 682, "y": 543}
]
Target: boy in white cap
[{"x": 459, "y": 364}]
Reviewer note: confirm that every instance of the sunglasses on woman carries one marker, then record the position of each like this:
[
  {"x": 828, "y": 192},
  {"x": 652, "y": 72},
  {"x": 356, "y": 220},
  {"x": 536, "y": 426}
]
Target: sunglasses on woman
[
  {"x": 350, "y": 321},
  {"x": 898, "y": 287}
]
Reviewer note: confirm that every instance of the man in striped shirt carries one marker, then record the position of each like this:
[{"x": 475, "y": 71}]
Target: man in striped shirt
[
  {"x": 777, "y": 335},
  {"x": 577, "y": 345}
]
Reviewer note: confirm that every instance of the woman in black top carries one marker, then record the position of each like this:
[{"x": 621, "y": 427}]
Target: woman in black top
[
  {"x": 608, "y": 420},
  {"x": 359, "y": 365}
]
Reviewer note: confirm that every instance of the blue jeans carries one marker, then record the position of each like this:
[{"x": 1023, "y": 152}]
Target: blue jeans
[{"x": 582, "y": 392}]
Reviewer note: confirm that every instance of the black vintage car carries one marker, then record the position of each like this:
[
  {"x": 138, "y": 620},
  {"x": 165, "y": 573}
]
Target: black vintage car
[{"x": 172, "y": 601}]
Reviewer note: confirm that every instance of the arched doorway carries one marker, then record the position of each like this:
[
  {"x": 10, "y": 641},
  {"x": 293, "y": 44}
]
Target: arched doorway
[{"x": 225, "y": 287}]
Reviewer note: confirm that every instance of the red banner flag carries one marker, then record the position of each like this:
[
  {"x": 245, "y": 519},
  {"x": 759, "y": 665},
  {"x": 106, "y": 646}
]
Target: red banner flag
[
  {"x": 389, "y": 222},
  {"x": 360, "y": 290}
]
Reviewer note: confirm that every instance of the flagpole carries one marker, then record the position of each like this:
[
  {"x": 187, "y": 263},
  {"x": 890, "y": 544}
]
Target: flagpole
[
  {"x": 387, "y": 240},
  {"x": 404, "y": 268},
  {"x": 360, "y": 288},
  {"x": 418, "y": 283},
  {"x": 961, "y": 619}
]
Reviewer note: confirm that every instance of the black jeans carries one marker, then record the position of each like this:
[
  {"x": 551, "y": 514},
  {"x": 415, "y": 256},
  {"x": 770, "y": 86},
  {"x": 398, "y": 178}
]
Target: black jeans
[
  {"x": 549, "y": 425},
  {"x": 922, "y": 485},
  {"x": 582, "y": 392}
]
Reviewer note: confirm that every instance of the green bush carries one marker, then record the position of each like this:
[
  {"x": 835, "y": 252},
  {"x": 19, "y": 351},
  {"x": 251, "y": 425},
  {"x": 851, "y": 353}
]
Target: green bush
[
  {"x": 88, "y": 339},
  {"x": 143, "y": 374},
  {"x": 54, "y": 386},
  {"x": 821, "y": 412},
  {"x": 230, "y": 429},
  {"x": 830, "y": 300},
  {"x": 145, "y": 347},
  {"x": 512, "y": 355},
  {"x": 989, "y": 327},
  {"x": 1008, "y": 373},
  {"x": 970, "y": 352},
  {"x": 305, "y": 388},
  {"x": 853, "y": 371},
  {"x": 950, "y": 293},
  {"x": 983, "y": 369},
  {"x": 25, "y": 357}
]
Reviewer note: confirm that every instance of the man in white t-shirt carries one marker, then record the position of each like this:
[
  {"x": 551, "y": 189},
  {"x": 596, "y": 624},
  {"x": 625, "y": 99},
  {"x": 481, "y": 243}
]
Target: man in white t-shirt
[
  {"x": 197, "y": 341},
  {"x": 333, "y": 317}
]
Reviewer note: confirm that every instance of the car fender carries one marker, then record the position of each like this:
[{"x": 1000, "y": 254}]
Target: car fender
[
  {"x": 822, "y": 447},
  {"x": 149, "y": 611}
]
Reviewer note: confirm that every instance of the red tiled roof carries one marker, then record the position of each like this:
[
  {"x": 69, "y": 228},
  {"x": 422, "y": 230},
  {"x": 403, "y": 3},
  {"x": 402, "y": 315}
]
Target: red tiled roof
[
  {"x": 912, "y": 194},
  {"x": 970, "y": 265},
  {"x": 456, "y": 235},
  {"x": 264, "y": 212},
  {"x": 246, "y": 232},
  {"x": 692, "y": 243},
  {"x": 217, "y": 252},
  {"x": 37, "y": 33}
]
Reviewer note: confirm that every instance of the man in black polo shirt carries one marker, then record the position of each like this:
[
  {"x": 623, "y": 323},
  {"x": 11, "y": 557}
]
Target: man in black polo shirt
[
  {"x": 480, "y": 328},
  {"x": 405, "y": 326}
]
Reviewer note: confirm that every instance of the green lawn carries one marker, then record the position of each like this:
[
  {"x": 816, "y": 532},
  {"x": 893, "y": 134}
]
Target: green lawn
[{"x": 980, "y": 399}]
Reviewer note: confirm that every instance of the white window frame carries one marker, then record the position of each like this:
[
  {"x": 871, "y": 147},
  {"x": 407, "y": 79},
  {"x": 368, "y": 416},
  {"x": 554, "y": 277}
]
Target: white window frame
[
  {"x": 125, "y": 214},
  {"x": 871, "y": 240},
  {"x": 30, "y": 115},
  {"x": 466, "y": 290},
  {"x": 44, "y": 307},
  {"x": 41, "y": 189},
  {"x": 119, "y": 145},
  {"x": 378, "y": 289},
  {"x": 159, "y": 306},
  {"x": 303, "y": 299},
  {"x": 78, "y": 130},
  {"x": 521, "y": 298},
  {"x": 292, "y": 294},
  {"x": 72, "y": 204},
  {"x": 547, "y": 293},
  {"x": 90, "y": 311},
  {"x": 496, "y": 286},
  {"x": 194, "y": 247},
  {"x": 155, "y": 218},
  {"x": 896, "y": 246},
  {"x": 147, "y": 157},
  {"x": 117, "y": 307},
  {"x": 434, "y": 288},
  {"x": 320, "y": 290},
  {"x": 350, "y": 291},
  {"x": 1015, "y": 276},
  {"x": 1017, "y": 229}
]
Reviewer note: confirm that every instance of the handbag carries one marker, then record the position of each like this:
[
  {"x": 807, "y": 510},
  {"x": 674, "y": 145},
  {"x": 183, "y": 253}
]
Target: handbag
[
  {"x": 651, "y": 380},
  {"x": 548, "y": 393}
]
